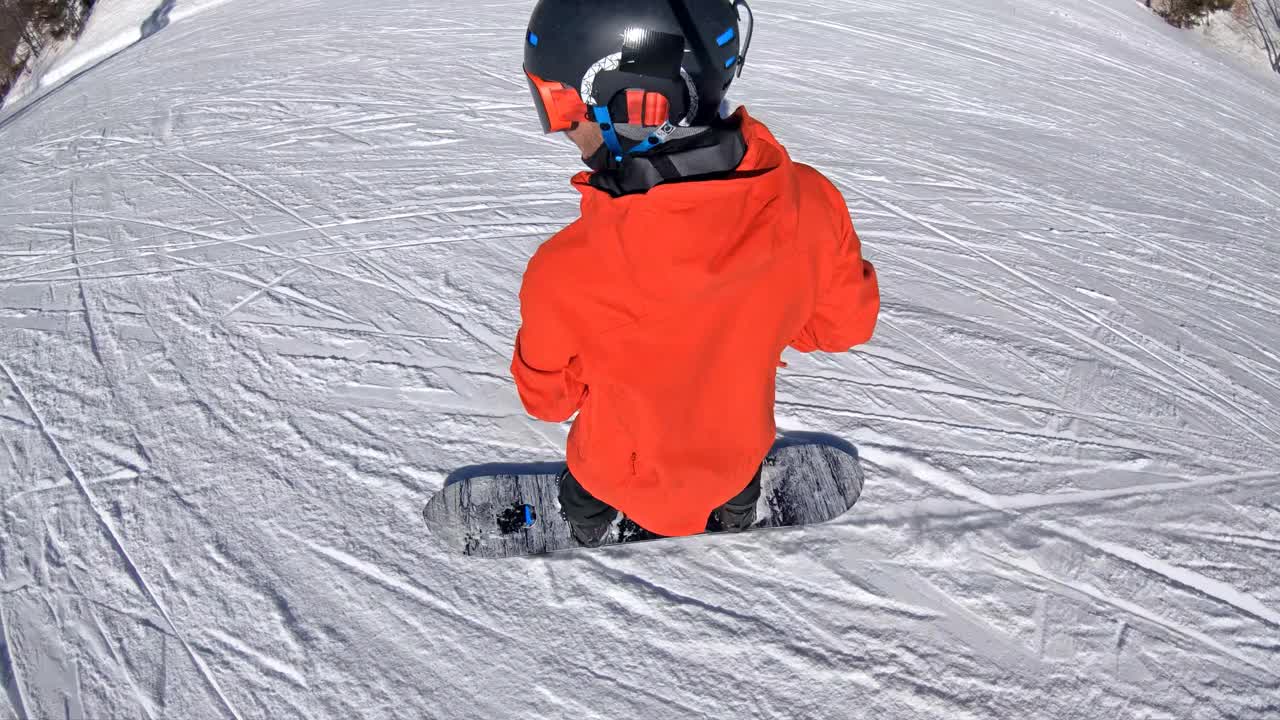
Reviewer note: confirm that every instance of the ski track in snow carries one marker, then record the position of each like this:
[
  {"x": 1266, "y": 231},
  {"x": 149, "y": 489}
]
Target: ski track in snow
[{"x": 258, "y": 282}]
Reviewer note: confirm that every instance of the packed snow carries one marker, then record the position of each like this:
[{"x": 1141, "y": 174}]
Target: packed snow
[{"x": 258, "y": 282}]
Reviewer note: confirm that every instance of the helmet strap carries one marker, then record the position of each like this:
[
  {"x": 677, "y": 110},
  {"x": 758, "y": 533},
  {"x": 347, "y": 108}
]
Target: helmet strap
[
  {"x": 611, "y": 140},
  {"x": 655, "y": 138},
  {"x": 605, "y": 121}
]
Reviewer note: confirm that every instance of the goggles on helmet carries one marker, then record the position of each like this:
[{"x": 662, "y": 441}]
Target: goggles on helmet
[{"x": 559, "y": 107}]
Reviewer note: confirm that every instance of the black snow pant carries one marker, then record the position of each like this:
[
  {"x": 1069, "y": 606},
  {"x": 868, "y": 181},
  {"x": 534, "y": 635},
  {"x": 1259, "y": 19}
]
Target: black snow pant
[{"x": 585, "y": 511}]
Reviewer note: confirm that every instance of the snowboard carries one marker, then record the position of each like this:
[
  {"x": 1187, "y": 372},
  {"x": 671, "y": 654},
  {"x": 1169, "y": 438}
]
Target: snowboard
[{"x": 499, "y": 511}]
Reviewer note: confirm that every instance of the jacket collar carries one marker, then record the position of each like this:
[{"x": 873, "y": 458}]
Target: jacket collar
[{"x": 707, "y": 155}]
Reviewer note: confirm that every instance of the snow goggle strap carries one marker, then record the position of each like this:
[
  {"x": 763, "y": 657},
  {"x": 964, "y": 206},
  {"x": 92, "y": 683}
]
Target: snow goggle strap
[{"x": 647, "y": 108}]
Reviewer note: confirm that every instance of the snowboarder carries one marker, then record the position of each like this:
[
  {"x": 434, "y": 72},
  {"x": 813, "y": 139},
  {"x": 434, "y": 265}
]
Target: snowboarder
[{"x": 701, "y": 253}]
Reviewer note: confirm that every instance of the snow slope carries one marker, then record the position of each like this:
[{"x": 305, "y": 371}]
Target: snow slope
[{"x": 257, "y": 295}]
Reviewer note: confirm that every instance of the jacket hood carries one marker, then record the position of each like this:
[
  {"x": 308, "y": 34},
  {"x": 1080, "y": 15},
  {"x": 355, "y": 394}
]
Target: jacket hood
[{"x": 686, "y": 237}]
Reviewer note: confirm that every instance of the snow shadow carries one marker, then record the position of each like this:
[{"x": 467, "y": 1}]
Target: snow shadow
[
  {"x": 159, "y": 19},
  {"x": 492, "y": 469},
  {"x": 800, "y": 437},
  {"x": 785, "y": 439}
]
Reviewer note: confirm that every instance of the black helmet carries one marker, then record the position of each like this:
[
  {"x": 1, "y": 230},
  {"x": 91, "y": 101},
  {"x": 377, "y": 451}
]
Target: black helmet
[{"x": 583, "y": 56}]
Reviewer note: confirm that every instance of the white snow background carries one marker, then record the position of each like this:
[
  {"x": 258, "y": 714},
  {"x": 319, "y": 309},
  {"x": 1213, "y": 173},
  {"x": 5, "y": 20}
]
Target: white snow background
[{"x": 258, "y": 280}]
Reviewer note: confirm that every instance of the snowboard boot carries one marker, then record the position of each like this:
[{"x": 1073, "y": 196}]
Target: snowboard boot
[
  {"x": 740, "y": 512},
  {"x": 736, "y": 518},
  {"x": 591, "y": 535},
  {"x": 589, "y": 518}
]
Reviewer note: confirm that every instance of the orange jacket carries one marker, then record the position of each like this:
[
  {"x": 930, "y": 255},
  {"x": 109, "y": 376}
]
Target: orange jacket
[{"x": 660, "y": 317}]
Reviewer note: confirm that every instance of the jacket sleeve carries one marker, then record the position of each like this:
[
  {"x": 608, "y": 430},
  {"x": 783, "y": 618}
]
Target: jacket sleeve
[
  {"x": 545, "y": 365},
  {"x": 848, "y": 302}
]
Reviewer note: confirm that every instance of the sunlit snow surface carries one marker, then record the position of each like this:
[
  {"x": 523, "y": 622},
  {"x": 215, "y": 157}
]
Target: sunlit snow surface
[{"x": 258, "y": 282}]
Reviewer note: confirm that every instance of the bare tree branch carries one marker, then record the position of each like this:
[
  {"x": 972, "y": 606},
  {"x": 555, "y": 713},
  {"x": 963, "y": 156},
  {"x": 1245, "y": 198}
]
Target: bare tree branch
[
  {"x": 1266, "y": 18},
  {"x": 27, "y": 27},
  {"x": 21, "y": 19}
]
